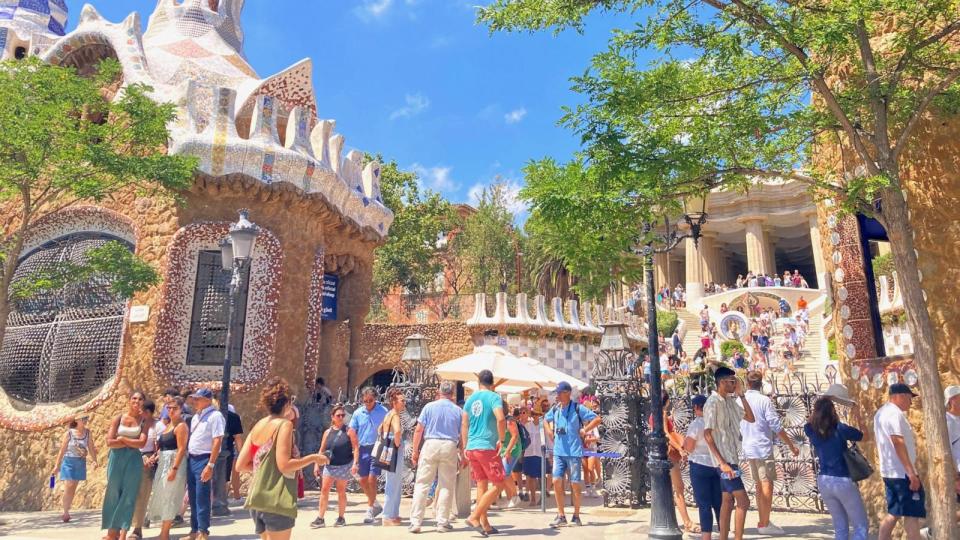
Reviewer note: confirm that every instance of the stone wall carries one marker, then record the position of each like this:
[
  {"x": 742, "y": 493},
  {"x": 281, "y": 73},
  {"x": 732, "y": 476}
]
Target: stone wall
[{"x": 302, "y": 226}]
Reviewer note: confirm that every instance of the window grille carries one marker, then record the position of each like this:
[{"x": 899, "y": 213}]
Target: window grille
[
  {"x": 211, "y": 311},
  {"x": 61, "y": 345}
]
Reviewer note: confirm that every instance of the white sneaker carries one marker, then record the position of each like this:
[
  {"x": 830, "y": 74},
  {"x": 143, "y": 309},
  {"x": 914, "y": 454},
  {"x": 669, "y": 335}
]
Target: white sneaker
[
  {"x": 771, "y": 530},
  {"x": 414, "y": 528},
  {"x": 376, "y": 509},
  {"x": 514, "y": 502}
]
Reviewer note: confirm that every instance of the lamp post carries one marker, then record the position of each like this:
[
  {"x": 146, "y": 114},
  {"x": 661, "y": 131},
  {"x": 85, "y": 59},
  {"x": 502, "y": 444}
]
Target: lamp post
[
  {"x": 663, "y": 519},
  {"x": 235, "y": 254}
]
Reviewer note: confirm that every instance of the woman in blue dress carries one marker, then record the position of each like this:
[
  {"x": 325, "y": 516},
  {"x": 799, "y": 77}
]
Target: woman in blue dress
[{"x": 76, "y": 446}]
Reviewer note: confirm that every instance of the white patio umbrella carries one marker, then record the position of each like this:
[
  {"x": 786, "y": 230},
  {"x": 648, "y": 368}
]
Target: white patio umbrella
[
  {"x": 507, "y": 369},
  {"x": 553, "y": 375},
  {"x": 473, "y": 386}
]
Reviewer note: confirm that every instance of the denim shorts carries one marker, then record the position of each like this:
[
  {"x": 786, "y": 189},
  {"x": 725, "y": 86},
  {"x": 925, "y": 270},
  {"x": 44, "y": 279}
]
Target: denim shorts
[
  {"x": 734, "y": 485},
  {"x": 532, "y": 466},
  {"x": 571, "y": 465},
  {"x": 267, "y": 522},
  {"x": 901, "y": 501}
]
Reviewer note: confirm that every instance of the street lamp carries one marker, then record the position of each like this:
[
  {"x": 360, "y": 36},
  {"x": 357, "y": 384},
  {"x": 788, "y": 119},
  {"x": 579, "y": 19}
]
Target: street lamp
[
  {"x": 236, "y": 251},
  {"x": 416, "y": 362},
  {"x": 663, "y": 519}
]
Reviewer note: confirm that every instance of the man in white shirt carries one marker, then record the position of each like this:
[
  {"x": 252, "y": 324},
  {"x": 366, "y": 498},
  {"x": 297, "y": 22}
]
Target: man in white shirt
[
  {"x": 951, "y": 397},
  {"x": 897, "y": 450},
  {"x": 721, "y": 418},
  {"x": 758, "y": 449},
  {"x": 206, "y": 434}
]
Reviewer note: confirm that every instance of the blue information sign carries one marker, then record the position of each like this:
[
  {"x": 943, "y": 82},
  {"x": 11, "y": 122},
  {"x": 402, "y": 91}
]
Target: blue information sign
[{"x": 328, "y": 305}]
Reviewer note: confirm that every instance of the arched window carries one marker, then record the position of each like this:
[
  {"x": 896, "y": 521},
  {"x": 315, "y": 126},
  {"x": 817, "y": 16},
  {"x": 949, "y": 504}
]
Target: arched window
[{"x": 63, "y": 344}]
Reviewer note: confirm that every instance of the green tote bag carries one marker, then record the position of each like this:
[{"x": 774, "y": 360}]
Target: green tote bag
[{"x": 270, "y": 490}]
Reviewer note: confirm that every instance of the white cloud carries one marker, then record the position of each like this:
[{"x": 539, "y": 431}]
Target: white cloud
[
  {"x": 437, "y": 178},
  {"x": 415, "y": 104},
  {"x": 374, "y": 9},
  {"x": 515, "y": 115}
]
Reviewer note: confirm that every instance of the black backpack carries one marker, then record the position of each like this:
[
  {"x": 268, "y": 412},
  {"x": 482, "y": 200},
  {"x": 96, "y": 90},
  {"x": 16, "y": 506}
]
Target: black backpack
[{"x": 524, "y": 436}]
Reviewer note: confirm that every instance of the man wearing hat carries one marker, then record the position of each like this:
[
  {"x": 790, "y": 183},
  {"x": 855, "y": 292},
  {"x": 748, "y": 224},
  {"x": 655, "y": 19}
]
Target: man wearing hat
[
  {"x": 951, "y": 398},
  {"x": 897, "y": 450},
  {"x": 206, "y": 435},
  {"x": 568, "y": 423}
]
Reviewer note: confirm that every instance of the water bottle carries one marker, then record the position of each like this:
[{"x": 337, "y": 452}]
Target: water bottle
[{"x": 53, "y": 480}]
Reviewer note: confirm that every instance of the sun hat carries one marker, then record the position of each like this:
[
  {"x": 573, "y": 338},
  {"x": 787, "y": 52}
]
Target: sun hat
[
  {"x": 949, "y": 392},
  {"x": 839, "y": 394}
]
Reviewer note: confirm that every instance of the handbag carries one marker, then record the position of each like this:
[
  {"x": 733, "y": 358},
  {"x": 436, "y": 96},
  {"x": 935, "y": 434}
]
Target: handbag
[
  {"x": 857, "y": 464},
  {"x": 385, "y": 451},
  {"x": 271, "y": 490}
]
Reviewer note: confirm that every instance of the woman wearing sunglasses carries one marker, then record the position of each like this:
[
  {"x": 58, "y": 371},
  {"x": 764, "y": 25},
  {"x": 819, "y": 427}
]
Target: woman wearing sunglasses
[{"x": 340, "y": 444}]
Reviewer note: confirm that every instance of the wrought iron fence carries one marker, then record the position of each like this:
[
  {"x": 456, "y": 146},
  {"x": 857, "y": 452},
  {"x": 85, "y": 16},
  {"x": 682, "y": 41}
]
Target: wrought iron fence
[{"x": 796, "y": 487}]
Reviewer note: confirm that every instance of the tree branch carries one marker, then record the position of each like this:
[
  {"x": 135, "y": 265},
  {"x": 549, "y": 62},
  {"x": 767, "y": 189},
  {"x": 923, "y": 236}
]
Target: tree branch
[
  {"x": 921, "y": 109},
  {"x": 878, "y": 102},
  {"x": 909, "y": 54}
]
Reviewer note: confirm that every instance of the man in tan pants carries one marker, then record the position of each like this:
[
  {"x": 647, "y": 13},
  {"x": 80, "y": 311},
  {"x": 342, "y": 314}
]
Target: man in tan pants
[{"x": 442, "y": 429}]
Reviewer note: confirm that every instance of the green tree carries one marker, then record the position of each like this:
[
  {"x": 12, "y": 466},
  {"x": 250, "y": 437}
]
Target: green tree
[
  {"x": 490, "y": 242},
  {"x": 66, "y": 140},
  {"x": 410, "y": 260},
  {"x": 747, "y": 89}
]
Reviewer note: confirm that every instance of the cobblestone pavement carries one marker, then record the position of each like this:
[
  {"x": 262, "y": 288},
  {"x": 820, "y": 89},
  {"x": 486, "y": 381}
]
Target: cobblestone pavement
[{"x": 613, "y": 524}]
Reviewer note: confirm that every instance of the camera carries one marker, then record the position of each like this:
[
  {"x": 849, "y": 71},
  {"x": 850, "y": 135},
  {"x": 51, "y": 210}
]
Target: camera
[{"x": 561, "y": 431}]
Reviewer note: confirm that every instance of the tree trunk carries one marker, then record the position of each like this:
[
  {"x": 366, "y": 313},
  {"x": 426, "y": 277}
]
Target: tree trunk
[{"x": 941, "y": 470}]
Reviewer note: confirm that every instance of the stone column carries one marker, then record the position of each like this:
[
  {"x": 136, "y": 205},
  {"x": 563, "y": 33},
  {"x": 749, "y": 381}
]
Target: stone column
[
  {"x": 707, "y": 253},
  {"x": 770, "y": 242},
  {"x": 661, "y": 270},
  {"x": 694, "y": 284},
  {"x": 819, "y": 263},
  {"x": 757, "y": 256}
]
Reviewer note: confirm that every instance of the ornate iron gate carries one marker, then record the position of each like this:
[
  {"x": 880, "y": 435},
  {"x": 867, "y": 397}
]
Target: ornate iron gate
[{"x": 796, "y": 487}]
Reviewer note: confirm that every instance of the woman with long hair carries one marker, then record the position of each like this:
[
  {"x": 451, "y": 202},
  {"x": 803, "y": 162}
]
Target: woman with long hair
[
  {"x": 268, "y": 454},
  {"x": 341, "y": 446},
  {"x": 511, "y": 452},
  {"x": 124, "y": 467},
  {"x": 75, "y": 447},
  {"x": 675, "y": 453},
  {"x": 170, "y": 480},
  {"x": 829, "y": 437},
  {"x": 592, "y": 470},
  {"x": 393, "y": 427}
]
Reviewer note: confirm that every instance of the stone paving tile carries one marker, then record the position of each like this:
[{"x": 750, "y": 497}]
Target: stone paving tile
[{"x": 610, "y": 524}]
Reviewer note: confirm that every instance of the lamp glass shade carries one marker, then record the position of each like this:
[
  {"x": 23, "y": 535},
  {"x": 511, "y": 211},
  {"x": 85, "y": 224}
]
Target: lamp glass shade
[
  {"x": 695, "y": 206},
  {"x": 243, "y": 233},
  {"x": 226, "y": 254},
  {"x": 415, "y": 349},
  {"x": 614, "y": 337}
]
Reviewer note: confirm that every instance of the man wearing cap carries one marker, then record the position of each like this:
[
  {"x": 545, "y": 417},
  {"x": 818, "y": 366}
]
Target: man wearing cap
[
  {"x": 206, "y": 435},
  {"x": 568, "y": 423},
  {"x": 897, "y": 449},
  {"x": 757, "y": 444},
  {"x": 721, "y": 417}
]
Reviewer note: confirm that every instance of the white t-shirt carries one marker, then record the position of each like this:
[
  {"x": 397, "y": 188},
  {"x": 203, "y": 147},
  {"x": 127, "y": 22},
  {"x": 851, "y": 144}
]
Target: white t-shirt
[
  {"x": 701, "y": 452},
  {"x": 888, "y": 421},
  {"x": 953, "y": 435},
  {"x": 534, "y": 449}
]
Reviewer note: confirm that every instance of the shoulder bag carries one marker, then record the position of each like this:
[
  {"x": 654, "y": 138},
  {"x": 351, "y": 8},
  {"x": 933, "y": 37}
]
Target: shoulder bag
[
  {"x": 860, "y": 469},
  {"x": 385, "y": 450}
]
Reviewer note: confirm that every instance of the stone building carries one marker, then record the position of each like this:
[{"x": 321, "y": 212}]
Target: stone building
[{"x": 262, "y": 147}]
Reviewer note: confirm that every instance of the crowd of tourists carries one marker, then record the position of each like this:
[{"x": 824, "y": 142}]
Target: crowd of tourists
[
  {"x": 159, "y": 465},
  {"x": 677, "y": 296}
]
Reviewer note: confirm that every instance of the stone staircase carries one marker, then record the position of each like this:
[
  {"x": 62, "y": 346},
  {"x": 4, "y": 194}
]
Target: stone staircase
[{"x": 691, "y": 325}]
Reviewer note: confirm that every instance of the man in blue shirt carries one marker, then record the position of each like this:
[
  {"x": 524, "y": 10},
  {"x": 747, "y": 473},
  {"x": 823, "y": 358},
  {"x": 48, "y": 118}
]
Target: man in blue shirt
[
  {"x": 568, "y": 423},
  {"x": 442, "y": 427},
  {"x": 366, "y": 421}
]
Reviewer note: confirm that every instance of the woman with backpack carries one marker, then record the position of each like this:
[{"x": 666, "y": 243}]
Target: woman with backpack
[
  {"x": 511, "y": 450},
  {"x": 341, "y": 445}
]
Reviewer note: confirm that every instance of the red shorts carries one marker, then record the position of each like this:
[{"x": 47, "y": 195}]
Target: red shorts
[{"x": 486, "y": 465}]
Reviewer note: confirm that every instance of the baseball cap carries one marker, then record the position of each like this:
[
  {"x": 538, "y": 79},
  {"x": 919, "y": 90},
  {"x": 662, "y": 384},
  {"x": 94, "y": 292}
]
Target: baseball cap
[
  {"x": 563, "y": 386},
  {"x": 949, "y": 392},
  {"x": 203, "y": 393},
  {"x": 900, "y": 388}
]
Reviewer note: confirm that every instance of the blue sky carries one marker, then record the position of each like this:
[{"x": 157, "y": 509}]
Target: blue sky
[{"x": 419, "y": 82}]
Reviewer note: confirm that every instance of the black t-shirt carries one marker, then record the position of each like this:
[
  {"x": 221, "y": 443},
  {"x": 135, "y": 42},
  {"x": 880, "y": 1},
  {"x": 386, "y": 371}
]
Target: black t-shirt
[{"x": 234, "y": 427}]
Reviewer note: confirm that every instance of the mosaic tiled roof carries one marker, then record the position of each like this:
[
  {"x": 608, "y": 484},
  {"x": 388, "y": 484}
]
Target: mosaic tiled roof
[{"x": 232, "y": 119}]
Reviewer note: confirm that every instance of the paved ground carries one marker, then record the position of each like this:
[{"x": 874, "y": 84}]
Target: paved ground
[{"x": 612, "y": 524}]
